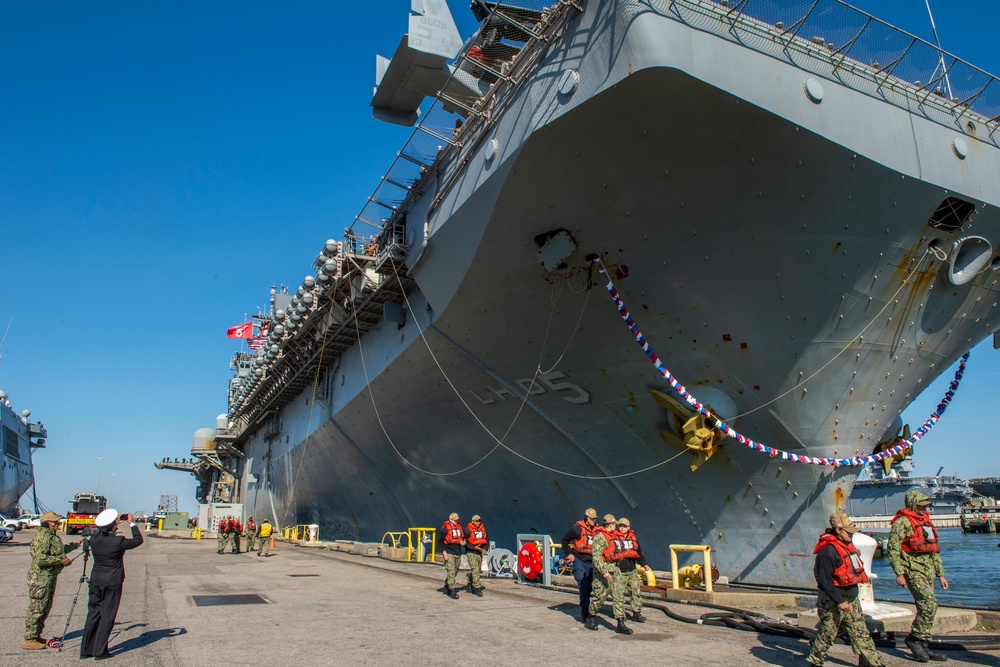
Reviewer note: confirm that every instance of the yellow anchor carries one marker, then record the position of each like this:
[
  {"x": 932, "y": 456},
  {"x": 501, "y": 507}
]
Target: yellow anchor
[
  {"x": 904, "y": 434},
  {"x": 697, "y": 437}
]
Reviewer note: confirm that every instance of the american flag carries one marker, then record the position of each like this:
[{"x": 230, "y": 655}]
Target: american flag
[{"x": 257, "y": 343}]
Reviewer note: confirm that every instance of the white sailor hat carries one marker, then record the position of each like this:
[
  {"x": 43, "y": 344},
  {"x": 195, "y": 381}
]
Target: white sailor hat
[{"x": 106, "y": 518}]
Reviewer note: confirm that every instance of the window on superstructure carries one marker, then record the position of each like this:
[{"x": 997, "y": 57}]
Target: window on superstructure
[
  {"x": 951, "y": 214},
  {"x": 10, "y": 442}
]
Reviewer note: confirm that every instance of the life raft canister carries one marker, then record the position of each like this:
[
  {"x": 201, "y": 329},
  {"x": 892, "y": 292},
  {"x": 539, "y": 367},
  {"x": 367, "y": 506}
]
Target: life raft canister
[{"x": 530, "y": 561}]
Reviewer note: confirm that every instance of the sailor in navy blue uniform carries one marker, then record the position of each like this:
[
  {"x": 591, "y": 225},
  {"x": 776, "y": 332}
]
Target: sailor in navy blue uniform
[{"x": 106, "y": 579}]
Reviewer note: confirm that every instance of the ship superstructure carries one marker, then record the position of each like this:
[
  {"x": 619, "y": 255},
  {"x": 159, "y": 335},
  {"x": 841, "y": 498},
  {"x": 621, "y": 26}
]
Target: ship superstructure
[
  {"x": 796, "y": 202},
  {"x": 20, "y": 438}
]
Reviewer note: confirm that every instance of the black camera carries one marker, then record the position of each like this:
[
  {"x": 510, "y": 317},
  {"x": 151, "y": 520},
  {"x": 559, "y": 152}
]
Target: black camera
[{"x": 123, "y": 517}]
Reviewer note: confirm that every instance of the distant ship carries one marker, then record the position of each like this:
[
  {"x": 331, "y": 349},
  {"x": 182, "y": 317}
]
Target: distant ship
[
  {"x": 20, "y": 438},
  {"x": 885, "y": 494},
  {"x": 986, "y": 486},
  {"x": 795, "y": 202}
]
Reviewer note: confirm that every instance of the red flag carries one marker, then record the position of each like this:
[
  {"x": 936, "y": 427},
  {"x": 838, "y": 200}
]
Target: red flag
[{"x": 244, "y": 330}]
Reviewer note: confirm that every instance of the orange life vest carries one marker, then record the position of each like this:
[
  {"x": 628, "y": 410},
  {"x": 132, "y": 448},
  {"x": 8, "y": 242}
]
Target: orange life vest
[
  {"x": 251, "y": 528},
  {"x": 924, "y": 539},
  {"x": 453, "y": 532},
  {"x": 230, "y": 526},
  {"x": 613, "y": 552},
  {"x": 630, "y": 545},
  {"x": 583, "y": 544},
  {"x": 477, "y": 536},
  {"x": 851, "y": 570},
  {"x": 222, "y": 526},
  {"x": 237, "y": 527}
]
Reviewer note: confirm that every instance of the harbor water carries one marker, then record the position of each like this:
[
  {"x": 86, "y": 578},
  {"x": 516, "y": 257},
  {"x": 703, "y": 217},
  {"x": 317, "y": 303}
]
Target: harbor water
[{"x": 971, "y": 566}]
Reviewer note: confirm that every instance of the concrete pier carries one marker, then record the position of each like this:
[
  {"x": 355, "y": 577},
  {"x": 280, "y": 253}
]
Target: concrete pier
[{"x": 322, "y": 607}]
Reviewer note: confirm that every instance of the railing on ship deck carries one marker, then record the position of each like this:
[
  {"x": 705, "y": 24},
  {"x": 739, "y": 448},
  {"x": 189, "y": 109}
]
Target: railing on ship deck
[{"x": 834, "y": 40}]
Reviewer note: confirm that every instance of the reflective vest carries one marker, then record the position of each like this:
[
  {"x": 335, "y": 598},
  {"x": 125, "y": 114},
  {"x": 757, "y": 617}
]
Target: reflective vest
[
  {"x": 613, "y": 553},
  {"x": 237, "y": 528},
  {"x": 222, "y": 526},
  {"x": 583, "y": 544},
  {"x": 851, "y": 570},
  {"x": 477, "y": 536},
  {"x": 630, "y": 545},
  {"x": 924, "y": 539},
  {"x": 251, "y": 528},
  {"x": 230, "y": 525},
  {"x": 453, "y": 532},
  {"x": 265, "y": 529}
]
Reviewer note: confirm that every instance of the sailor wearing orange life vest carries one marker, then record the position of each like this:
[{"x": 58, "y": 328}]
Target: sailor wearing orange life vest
[
  {"x": 221, "y": 535},
  {"x": 475, "y": 548},
  {"x": 608, "y": 551},
  {"x": 915, "y": 556},
  {"x": 839, "y": 570},
  {"x": 576, "y": 544},
  {"x": 452, "y": 541},
  {"x": 632, "y": 557}
]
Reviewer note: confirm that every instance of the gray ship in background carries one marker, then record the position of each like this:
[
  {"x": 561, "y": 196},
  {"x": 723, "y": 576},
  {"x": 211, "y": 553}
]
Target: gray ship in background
[
  {"x": 20, "y": 439},
  {"x": 877, "y": 493},
  {"x": 796, "y": 201}
]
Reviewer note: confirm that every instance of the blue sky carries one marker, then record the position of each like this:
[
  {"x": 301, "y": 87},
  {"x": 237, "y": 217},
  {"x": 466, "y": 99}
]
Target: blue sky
[{"x": 163, "y": 164}]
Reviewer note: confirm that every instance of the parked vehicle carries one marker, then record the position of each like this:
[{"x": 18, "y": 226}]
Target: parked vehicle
[
  {"x": 6, "y": 534},
  {"x": 10, "y": 523},
  {"x": 30, "y": 520}
]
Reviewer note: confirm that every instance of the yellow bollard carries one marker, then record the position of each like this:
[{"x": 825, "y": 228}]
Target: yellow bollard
[
  {"x": 197, "y": 533},
  {"x": 706, "y": 550}
]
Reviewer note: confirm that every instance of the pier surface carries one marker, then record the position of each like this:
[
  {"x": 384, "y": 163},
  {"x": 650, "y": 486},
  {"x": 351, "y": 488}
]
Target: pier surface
[{"x": 328, "y": 608}]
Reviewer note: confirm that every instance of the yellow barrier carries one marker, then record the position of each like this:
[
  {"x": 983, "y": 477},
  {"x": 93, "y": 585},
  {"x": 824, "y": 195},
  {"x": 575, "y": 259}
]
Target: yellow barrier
[
  {"x": 705, "y": 549},
  {"x": 298, "y": 533},
  {"x": 196, "y": 533},
  {"x": 416, "y": 536}
]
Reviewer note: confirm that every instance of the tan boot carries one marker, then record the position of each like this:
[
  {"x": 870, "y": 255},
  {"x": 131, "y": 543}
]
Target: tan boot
[{"x": 35, "y": 644}]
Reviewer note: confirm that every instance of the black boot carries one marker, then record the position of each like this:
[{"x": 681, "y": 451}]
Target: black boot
[
  {"x": 638, "y": 617},
  {"x": 863, "y": 662},
  {"x": 916, "y": 648},
  {"x": 623, "y": 629},
  {"x": 453, "y": 593},
  {"x": 936, "y": 657},
  {"x": 590, "y": 623},
  {"x": 477, "y": 591}
]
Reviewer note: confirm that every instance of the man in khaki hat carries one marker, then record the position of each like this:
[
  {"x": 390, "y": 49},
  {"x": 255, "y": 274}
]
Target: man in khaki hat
[
  {"x": 48, "y": 558},
  {"x": 632, "y": 558},
  {"x": 608, "y": 551},
  {"x": 576, "y": 544},
  {"x": 452, "y": 540},
  {"x": 476, "y": 543},
  {"x": 915, "y": 556},
  {"x": 839, "y": 570}
]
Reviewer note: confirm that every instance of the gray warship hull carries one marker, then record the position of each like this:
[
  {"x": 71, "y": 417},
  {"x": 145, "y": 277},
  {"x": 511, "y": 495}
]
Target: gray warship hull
[
  {"x": 774, "y": 249},
  {"x": 16, "y": 470}
]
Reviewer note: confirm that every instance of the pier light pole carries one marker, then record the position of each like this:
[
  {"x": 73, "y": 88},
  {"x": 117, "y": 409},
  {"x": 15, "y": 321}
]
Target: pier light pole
[
  {"x": 111, "y": 494},
  {"x": 125, "y": 503},
  {"x": 98, "y": 491}
]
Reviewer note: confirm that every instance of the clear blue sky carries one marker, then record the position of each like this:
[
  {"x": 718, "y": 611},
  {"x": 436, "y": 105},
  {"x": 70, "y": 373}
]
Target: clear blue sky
[{"x": 162, "y": 165}]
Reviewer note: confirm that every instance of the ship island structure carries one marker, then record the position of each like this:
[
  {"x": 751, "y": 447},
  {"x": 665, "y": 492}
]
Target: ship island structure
[
  {"x": 792, "y": 205},
  {"x": 20, "y": 438}
]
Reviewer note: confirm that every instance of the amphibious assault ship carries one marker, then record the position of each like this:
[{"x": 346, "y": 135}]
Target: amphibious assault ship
[
  {"x": 20, "y": 438},
  {"x": 795, "y": 203}
]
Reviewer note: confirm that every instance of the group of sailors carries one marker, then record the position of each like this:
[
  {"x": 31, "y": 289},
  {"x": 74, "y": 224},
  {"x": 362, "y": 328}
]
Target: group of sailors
[
  {"x": 230, "y": 529},
  {"x": 612, "y": 551},
  {"x": 474, "y": 540}
]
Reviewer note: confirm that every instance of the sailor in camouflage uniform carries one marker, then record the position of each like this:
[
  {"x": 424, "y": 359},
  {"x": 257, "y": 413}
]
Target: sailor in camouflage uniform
[
  {"x": 608, "y": 578},
  {"x": 915, "y": 556},
  {"x": 839, "y": 570},
  {"x": 48, "y": 558}
]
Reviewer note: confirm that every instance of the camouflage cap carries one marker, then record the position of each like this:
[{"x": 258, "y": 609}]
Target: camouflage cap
[
  {"x": 609, "y": 519},
  {"x": 591, "y": 513},
  {"x": 50, "y": 516},
  {"x": 921, "y": 499},
  {"x": 841, "y": 520},
  {"x": 624, "y": 522}
]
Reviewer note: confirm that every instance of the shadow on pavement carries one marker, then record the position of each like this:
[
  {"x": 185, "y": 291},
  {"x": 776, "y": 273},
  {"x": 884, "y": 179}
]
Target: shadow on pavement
[{"x": 147, "y": 638}]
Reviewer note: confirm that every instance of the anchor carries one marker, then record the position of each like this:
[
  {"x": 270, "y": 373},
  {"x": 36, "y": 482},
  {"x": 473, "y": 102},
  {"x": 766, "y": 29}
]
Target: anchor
[
  {"x": 697, "y": 437},
  {"x": 887, "y": 463}
]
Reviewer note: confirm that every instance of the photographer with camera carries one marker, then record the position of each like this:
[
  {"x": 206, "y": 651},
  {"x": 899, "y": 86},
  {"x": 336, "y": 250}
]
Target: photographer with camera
[{"x": 106, "y": 579}]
